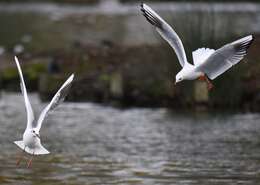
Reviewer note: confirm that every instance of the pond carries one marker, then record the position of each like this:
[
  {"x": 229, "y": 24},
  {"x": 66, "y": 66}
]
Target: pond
[{"x": 95, "y": 144}]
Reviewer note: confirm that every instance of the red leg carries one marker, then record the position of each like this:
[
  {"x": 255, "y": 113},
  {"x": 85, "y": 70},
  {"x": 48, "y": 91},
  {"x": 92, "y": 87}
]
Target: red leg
[
  {"x": 20, "y": 158},
  {"x": 210, "y": 85},
  {"x": 203, "y": 77},
  {"x": 29, "y": 164}
]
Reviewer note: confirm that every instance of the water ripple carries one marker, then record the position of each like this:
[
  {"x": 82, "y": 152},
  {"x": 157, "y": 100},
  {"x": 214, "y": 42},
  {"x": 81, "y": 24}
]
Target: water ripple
[{"x": 93, "y": 144}]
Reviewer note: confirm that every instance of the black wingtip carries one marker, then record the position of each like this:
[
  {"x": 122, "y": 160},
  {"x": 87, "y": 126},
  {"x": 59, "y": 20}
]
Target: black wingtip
[
  {"x": 253, "y": 38},
  {"x": 250, "y": 42},
  {"x": 150, "y": 17},
  {"x": 243, "y": 47},
  {"x": 142, "y": 7}
]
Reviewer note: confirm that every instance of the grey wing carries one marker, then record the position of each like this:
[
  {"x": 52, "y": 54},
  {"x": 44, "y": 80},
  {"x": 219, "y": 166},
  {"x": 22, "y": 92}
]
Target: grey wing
[
  {"x": 56, "y": 100},
  {"x": 166, "y": 32},
  {"x": 225, "y": 57}
]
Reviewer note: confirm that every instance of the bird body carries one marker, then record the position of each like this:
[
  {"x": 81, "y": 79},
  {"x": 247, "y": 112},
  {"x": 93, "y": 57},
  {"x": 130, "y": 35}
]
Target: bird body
[
  {"x": 207, "y": 63},
  {"x": 189, "y": 72},
  {"x": 31, "y": 142}
]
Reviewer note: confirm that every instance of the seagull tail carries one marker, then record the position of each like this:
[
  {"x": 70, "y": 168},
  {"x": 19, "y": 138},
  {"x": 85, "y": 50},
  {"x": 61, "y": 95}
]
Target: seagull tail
[
  {"x": 39, "y": 150},
  {"x": 20, "y": 144}
]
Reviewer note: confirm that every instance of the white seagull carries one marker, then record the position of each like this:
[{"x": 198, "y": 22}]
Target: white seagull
[
  {"x": 31, "y": 142},
  {"x": 208, "y": 63}
]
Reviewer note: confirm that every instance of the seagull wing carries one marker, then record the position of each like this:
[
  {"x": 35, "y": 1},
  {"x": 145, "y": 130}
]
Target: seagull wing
[
  {"x": 56, "y": 100},
  {"x": 30, "y": 115},
  {"x": 166, "y": 31},
  {"x": 225, "y": 57}
]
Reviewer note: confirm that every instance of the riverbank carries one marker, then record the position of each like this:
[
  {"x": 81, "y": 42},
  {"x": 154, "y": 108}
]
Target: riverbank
[
  {"x": 115, "y": 76},
  {"x": 119, "y": 59}
]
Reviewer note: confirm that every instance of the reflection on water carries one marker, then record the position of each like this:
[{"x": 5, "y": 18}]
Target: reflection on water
[{"x": 92, "y": 144}]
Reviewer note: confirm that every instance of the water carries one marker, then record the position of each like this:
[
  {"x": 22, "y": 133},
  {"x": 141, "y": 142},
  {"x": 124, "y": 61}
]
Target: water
[{"x": 93, "y": 144}]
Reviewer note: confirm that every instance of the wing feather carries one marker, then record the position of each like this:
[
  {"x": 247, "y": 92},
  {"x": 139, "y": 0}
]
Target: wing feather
[
  {"x": 30, "y": 114},
  {"x": 225, "y": 57},
  {"x": 56, "y": 100},
  {"x": 166, "y": 31}
]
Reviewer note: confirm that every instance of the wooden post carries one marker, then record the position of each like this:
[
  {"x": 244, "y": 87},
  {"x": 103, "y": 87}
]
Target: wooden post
[
  {"x": 116, "y": 85},
  {"x": 201, "y": 95}
]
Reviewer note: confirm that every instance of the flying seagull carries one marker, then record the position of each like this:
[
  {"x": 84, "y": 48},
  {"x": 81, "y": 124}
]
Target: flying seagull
[
  {"x": 208, "y": 63},
  {"x": 31, "y": 142}
]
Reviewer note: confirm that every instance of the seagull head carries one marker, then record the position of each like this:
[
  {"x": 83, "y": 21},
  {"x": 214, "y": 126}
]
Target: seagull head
[
  {"x": 178, "y": 78},
  {"x": 35, "y": 133}
]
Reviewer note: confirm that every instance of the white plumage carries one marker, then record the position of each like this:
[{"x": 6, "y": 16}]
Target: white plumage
[
  {"x": 201, "y": 55},
  {"x": 226, "y": 57},
  {"x": 31, "y": 142},
  {"x": 207, "y": 62}
]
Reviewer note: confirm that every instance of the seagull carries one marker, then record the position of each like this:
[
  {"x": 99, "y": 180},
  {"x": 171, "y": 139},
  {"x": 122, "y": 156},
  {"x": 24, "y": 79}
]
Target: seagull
[
  {"x": 31, "y": 142},
  {"x": 208, "y": 64}
]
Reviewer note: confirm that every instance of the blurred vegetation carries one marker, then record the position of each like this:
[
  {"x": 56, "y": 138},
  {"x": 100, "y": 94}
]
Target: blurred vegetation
[
  {"x": 124, "y": 1},
  {"x": 192, "y": 1},
  {"x": 120, "y": 58},
  {"x": 10, "y": 77},
  {"x": 56, "y": 1}
]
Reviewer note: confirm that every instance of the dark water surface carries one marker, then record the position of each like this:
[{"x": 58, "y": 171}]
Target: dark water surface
[{"x": 91, "y": 144}]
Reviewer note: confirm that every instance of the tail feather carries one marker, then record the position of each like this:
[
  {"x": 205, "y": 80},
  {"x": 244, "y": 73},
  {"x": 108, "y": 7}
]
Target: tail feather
[
  {"x": 201, "y": 55},
  {"x": 39, "y": 150}
]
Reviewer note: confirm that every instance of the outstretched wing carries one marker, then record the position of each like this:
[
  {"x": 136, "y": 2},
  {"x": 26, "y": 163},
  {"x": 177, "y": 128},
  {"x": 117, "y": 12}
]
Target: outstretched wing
[
  {"x": 56, "y": 100},
  {"x": 225, "y": 57},
  {"x": 30, "y": 115},
  {"x": 166, "y": 31}
]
